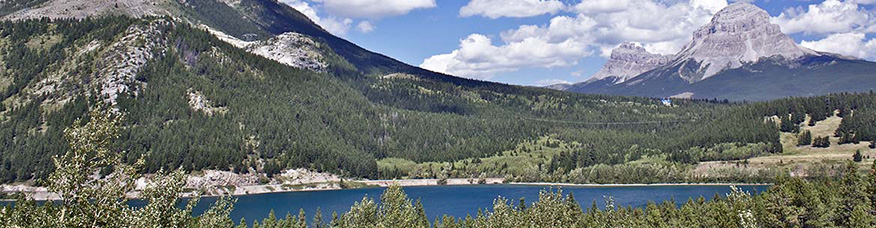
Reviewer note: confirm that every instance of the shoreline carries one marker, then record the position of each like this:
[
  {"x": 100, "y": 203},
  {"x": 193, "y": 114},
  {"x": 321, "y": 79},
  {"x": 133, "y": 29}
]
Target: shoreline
[
  {"x": 360, "y": 184},
  {"x": 637, "y": 185}
]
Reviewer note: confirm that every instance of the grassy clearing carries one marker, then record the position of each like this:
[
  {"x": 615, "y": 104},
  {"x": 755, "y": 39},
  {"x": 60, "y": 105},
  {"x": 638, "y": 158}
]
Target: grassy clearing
[
  {"x": 43, "y": 42},
  {"x": 798, "y": 159},
  {"x": 517, "y": 161}
]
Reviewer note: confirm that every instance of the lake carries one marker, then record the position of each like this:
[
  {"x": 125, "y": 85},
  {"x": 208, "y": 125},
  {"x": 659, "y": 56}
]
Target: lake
[{"x": 460, "y": 201}]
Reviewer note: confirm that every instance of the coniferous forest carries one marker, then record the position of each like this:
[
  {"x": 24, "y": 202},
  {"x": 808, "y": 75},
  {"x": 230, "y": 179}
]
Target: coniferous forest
[
  {"x": 342, "y": 120},
  {"x": 845, "y": 200}
]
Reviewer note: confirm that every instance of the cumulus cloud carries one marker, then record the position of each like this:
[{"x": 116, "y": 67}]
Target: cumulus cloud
[
  {"x": 864, "y": 2},
  {"x": 478, "y": 58},
  {"x": 510, "y": 8},
  {"x": 596, "y": 26},
  {"x": 662, "y": 28},
  {"x": 373, "y": 9},
  {"x": 334, "y": 25},
  {"x": 839, "y": 27},
  {"x": 830, "y": 16},
  {"x": 365, "y": 27},
  {"x": 852, "y": 44}
]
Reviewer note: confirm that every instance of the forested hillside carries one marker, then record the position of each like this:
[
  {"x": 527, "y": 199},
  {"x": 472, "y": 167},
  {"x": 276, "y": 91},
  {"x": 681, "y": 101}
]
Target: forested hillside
[
  {"x": 845, "y": 199},
  {"x": 195, "y": 102}
]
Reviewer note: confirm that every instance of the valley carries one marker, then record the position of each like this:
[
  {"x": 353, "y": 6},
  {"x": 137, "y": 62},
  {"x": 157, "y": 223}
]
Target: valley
[
  {"x": 106, "y": 104},
  {"x": 262, "y": 108}
]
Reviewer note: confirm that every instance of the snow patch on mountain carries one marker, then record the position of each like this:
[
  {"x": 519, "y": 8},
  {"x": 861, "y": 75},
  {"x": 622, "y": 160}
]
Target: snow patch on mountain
[
  {"x": 628, "y": 61},
  {"x": 738, "y": 34}
]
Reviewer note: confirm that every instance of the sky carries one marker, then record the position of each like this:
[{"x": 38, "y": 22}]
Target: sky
[{"x": 544, "y": 42}]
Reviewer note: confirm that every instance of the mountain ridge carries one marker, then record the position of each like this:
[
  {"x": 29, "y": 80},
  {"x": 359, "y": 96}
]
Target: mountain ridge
[
  {"x": 628, "y": 61},
  {"x": 740, "y": 43}
]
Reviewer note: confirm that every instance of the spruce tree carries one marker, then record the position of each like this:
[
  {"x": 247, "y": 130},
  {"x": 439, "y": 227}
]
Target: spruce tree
[
  {"x": 821, "y": 142},
  {"x": 805, "y": 138}
]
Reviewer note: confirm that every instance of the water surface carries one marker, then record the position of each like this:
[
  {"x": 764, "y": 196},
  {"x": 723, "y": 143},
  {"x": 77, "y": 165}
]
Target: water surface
[{"x": 460, "y": 201}]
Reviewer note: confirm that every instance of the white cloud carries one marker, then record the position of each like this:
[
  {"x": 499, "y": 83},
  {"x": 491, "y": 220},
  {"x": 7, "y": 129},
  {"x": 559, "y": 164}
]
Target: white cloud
[
  {"x": 478, "y": 58},
  {"x": 662, "y": 28},
  {"x": 852, "y": 44},
  {"x": 510, "y": 8},
  {"x": 547, "y": 82},
  {"x": 830, "y": 16},
  {"x": 374, "y": 9},
  {"x": 598, "y": 26},
  {"x": 712, "y": 5},
  {"x": 365, "y": 27},
  {"x": 334, "y": 25},
  {"x": 864, "y": 2}
]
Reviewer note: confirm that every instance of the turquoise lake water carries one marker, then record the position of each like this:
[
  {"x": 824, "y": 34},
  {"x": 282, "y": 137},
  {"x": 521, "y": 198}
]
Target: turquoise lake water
[{"x": 459, "y": 201}]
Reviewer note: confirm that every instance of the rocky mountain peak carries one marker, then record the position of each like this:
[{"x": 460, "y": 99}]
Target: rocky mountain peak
[
  {"x": 627, "y": 61},
  {"x": 738, "y": 34}
]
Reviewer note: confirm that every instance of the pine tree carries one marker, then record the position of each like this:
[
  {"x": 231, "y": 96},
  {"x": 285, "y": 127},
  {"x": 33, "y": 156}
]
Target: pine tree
[
  {"x": 805, "y": 138},
  {"x": 871, "y": 184},
  {"x": 423, "y": 220},
  {"x": 822, "y": 142},
  {"x": 302, "y": 219},
  {"x": 788, "y": 125},
  {"x": 317, "y": 219},
  {"x": 242, "y": 223}
]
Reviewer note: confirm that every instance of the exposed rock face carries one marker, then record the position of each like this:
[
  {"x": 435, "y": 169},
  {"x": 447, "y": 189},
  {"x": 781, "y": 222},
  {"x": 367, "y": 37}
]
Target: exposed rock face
[
  {"x": 292, "y": 49},
  {"x": 126, "y": 57},
  {"x": 85, "y": 8},
  {"x": 199, "y": 102},
  {"x": 628, "y": 61},
  {"x": 560, "y": 87},
  {"x": 738, "y": 34}
]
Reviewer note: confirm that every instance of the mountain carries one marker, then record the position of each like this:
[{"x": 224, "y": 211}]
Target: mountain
[
  {"x": 628, "y": 61},
  {"x": 740, "y": 55},
  {"x": 255, "y": 86}
]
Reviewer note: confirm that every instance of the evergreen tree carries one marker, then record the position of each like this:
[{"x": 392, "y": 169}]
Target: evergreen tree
[
  {"x": 788, "y": 125},
  {"x": 822, "y": 142},
  {"x": 317, "y": 219},
  {"x": 804, "y": 138}
]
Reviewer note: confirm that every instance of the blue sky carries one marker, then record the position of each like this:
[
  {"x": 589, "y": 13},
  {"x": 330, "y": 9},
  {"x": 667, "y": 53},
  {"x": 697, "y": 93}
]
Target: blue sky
[{"x": 539, "y": 42}]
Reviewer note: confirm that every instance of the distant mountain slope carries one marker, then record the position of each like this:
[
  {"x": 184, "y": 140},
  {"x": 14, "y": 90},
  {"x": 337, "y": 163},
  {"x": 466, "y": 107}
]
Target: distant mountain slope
[
  {"x": 765, "y": 80},
  {"x": 740, "y": 55}
]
